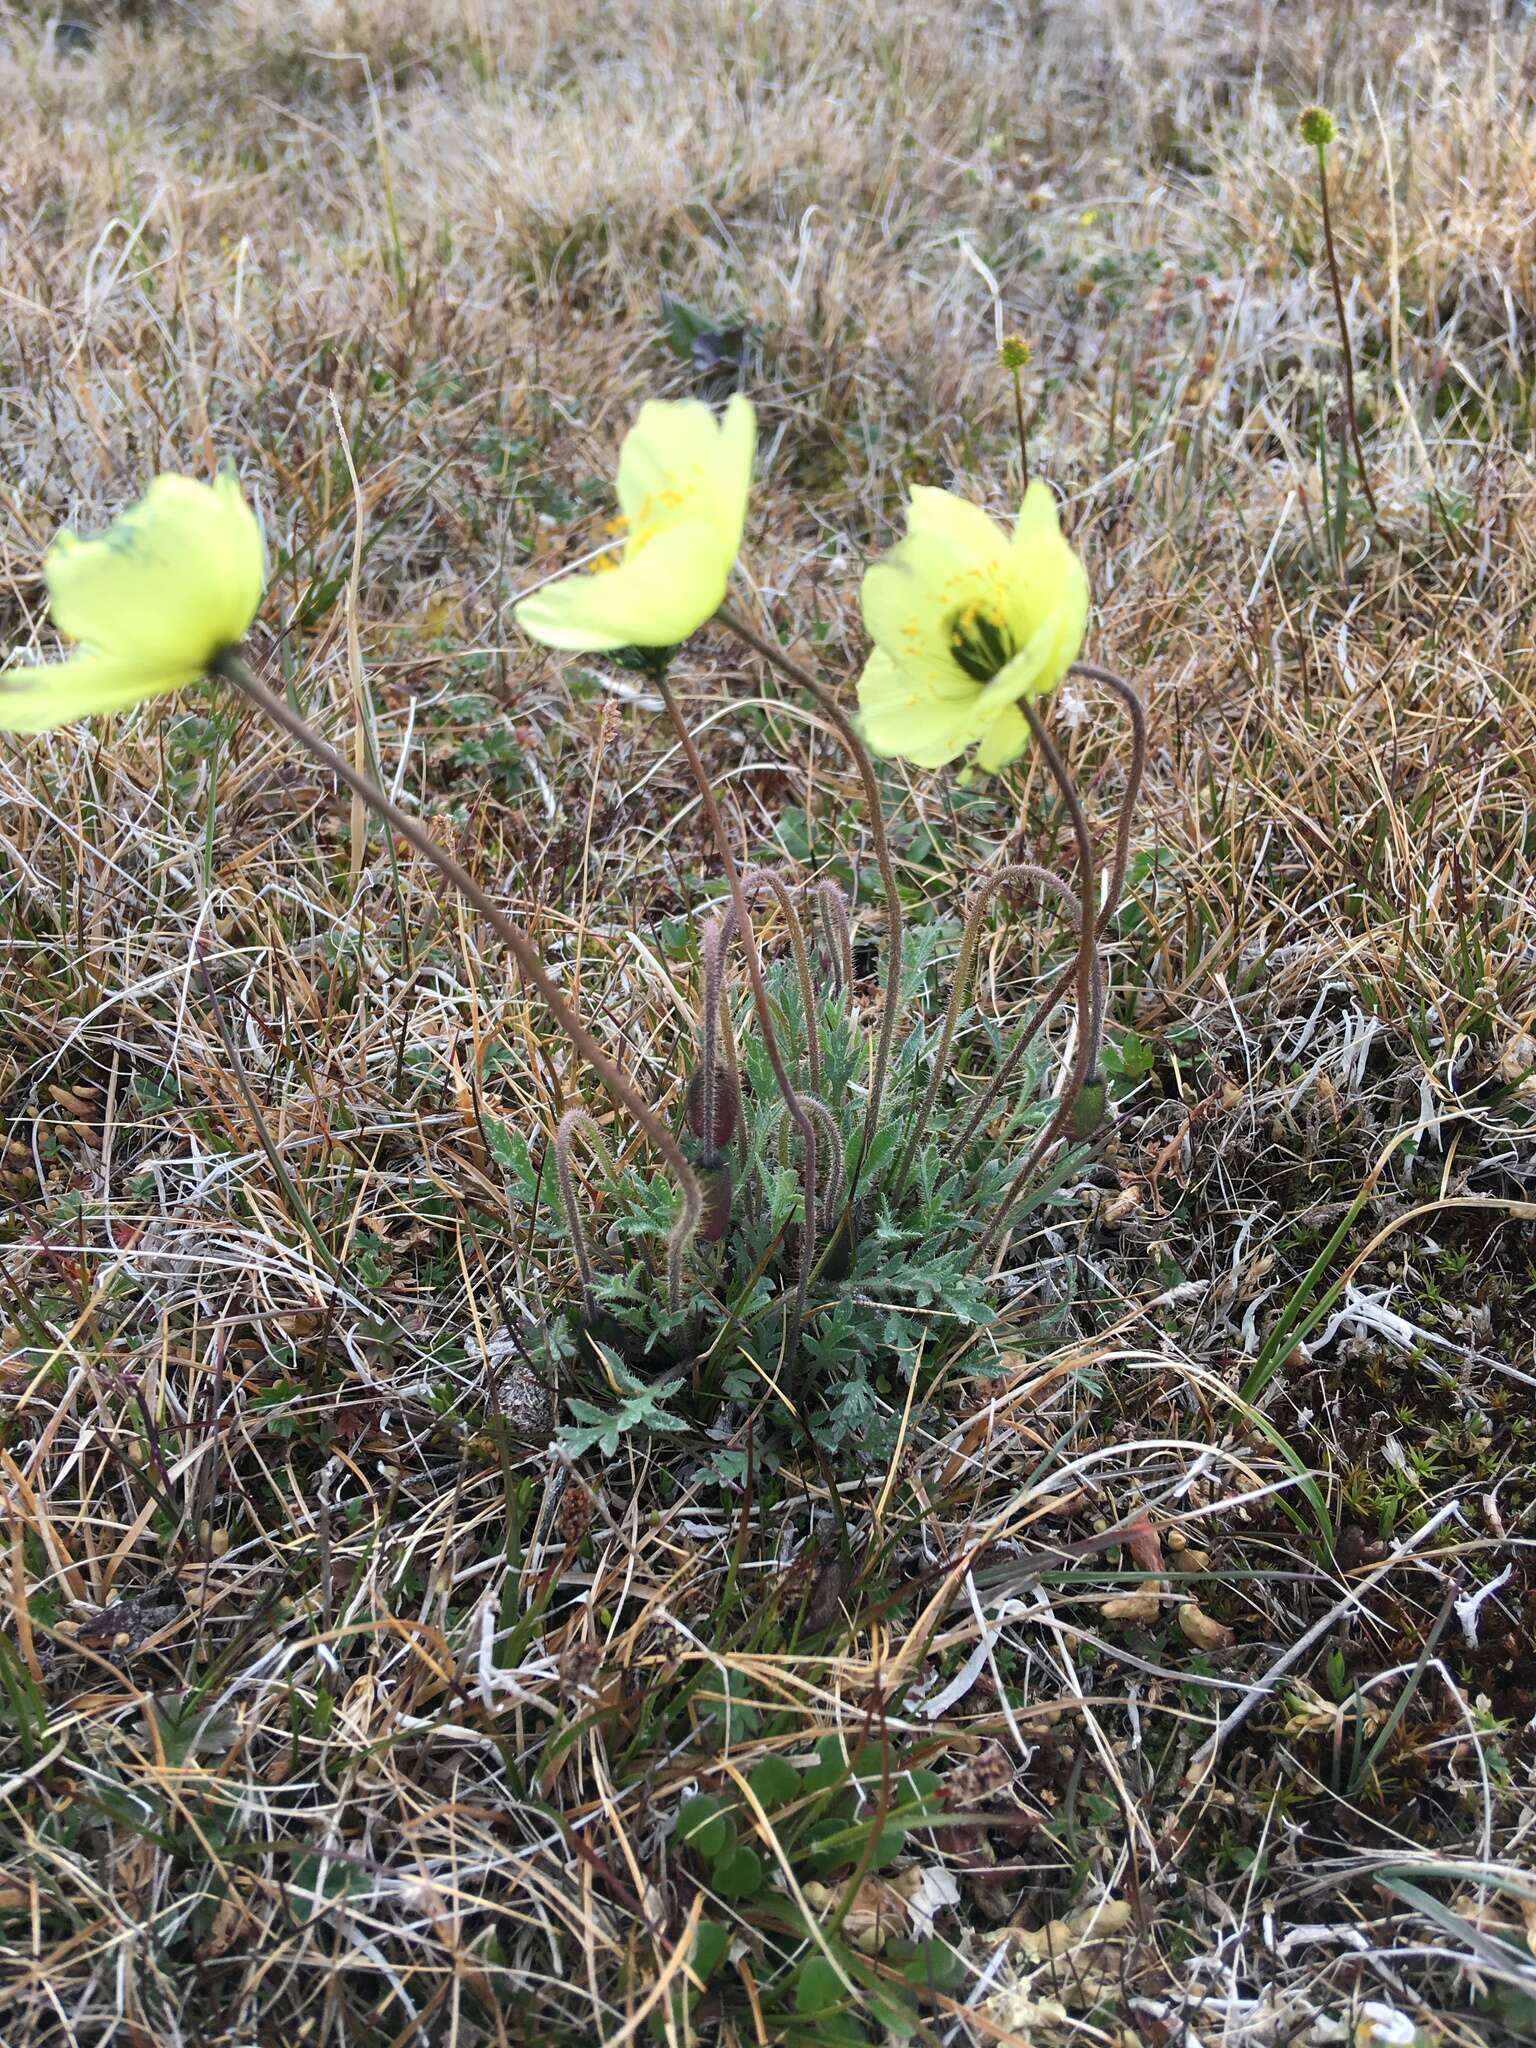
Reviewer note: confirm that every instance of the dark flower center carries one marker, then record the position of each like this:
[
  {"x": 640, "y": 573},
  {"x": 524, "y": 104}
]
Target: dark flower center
[{"x": 980, "y": 642}]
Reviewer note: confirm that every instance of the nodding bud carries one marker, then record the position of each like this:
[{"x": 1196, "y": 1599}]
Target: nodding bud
[
  {"x": 727, "y": 1108},
  {"x": 715, "y": 1184},
  {"x": 1088, "y": 1110}
]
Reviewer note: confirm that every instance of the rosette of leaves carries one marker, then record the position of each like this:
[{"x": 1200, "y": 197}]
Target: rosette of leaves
[{"x": 895, "y": 1281}]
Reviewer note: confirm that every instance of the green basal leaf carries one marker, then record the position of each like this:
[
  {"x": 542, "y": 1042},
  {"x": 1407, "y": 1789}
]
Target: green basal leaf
[
  {"x": 738, "y": 1874},
  {"x": 702, "y": 1825},
  {"x": 817, "y": 1986},
  {"x": 775, "y": 1782}
]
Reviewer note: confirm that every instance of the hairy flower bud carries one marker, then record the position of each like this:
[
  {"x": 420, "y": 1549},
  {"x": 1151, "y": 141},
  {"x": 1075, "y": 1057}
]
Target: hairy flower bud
[{"x": 726, "y": 1110}]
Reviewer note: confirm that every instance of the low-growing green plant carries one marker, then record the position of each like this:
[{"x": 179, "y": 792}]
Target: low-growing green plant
[
  {"x": 782, "y": 1857},
  {"x": 848, "y": 1171},
  {"x": 895, "y": 1273},
  {"x": 825, "y": 1273}
]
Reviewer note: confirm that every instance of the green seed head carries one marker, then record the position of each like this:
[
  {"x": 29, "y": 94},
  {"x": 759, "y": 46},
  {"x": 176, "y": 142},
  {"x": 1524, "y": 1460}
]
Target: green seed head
[
  {"x": 1015, "y": 352},
  {"x": 1316, "y": 126}
]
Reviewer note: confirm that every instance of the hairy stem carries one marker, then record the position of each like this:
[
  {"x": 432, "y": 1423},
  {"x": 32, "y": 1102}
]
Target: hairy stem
[
  {"x": 1085, "y": 974},
  {"x": 830, "y": 1194},
  {"x": 234, "y": 671},
  {"x": 1135, "y": 711},
  {"x": 764, "y": 1009},
  {"x": 832, "y": 711},
  {"x": 713, "y": 961},
  {"x": 1131, "y": 702},
  {"x": 833, "y": 905},
  {"x": 1020, "y": 871},
  {"x": 1009, "y": 1064},
  {"x": 754, "y": 879},
  {"x": 716, "y": 1122},
  {"x": 1023, "y": 431}
]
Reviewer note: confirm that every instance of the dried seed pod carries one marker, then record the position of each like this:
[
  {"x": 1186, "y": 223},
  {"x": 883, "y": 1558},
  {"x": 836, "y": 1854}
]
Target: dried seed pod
[
  {"x": 527, "y": 1404},
  {"x": 80, "y": 1105},
  {"x": 1198, "y": 1628},
  {"x": 1143, "y": 1607}
]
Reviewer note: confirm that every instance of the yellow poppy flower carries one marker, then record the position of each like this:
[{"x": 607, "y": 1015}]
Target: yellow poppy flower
[
  {"x": 682, "y": 486},
  {"x": 966, "y": 623},
  {"x": 171, "y": 585}
]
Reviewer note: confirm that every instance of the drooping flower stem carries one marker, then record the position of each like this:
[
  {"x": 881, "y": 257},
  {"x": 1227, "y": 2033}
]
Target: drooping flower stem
[
  {"x": 770, "y": 879},
  {"x": 1019, "y": 871},
  {"x": 825, "y": 703},
  {"x": 1087, "y": 947},
  {"x": 834, "y": 924},
  {"x": 830, "y": 1166},
  {"x": 1085, "y": 974},
  {"x": 1009, "y": 1064},
  {"x": 781, "y": 1074},
  {"x": 232, "y": 668},
  {"x": 716, "y": 1121}
]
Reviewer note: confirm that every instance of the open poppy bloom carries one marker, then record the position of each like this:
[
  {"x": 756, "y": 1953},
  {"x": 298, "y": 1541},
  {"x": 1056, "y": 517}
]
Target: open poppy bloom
[
  {"x": 154, "y": 601},
  {"x": 966, "y": 623},
  {"x": 682, "y": 487}
]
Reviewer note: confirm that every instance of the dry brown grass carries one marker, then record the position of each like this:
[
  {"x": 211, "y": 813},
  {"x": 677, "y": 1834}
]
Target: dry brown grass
[{"x": 340, "y": 1712}]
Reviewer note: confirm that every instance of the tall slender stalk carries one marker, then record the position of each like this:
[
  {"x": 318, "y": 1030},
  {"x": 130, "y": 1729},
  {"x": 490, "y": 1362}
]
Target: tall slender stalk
[
  {"x": 1014, "y": 356},
  {"x": 715, "y": 1122},
  {"x": 232, "y": 668},
  {"x": 843, "y": 725},
  {"x": 830, "y": 1193},
  {"x": 1084, "y": 972},
  {"x": 833, "y": 905},
  {"x": 1131, "y": 702},
  {"x": 1135, "y": 711},
  {"x": 781, "y": 1075},
  {"x": 1320, "y": 137}
]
